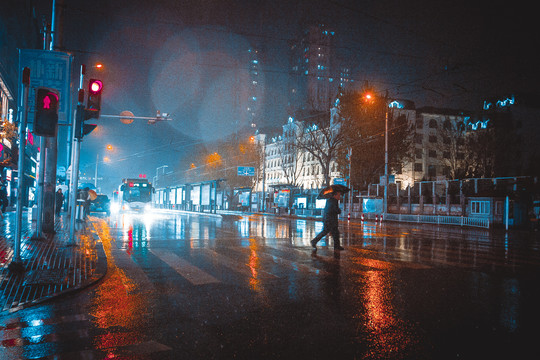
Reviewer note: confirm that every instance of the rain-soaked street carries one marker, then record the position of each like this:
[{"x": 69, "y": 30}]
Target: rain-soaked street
[{"x": 202, "y": 287}]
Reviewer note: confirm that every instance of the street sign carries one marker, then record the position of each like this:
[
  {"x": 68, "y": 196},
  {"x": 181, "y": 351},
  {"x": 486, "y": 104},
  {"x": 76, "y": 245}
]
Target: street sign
[
  {"x": 51, "y": 69},
  {"x": 246, "y": 171},
  {"x": 340, "y": 181}
]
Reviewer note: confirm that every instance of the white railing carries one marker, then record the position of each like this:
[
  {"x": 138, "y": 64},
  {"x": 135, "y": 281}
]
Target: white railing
[{"x": 438, "y": 219}]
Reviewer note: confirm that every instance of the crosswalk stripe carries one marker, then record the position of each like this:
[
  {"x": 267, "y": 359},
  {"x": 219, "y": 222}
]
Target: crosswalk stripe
[
  {"x": 291, "y": 265},
  {"x": 125, "y": 262},
  {"x": 236, "y": 266},
  {"x": 192, "y": 273}
]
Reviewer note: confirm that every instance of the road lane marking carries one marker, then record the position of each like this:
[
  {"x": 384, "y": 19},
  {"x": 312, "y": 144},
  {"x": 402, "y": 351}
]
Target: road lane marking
[
  {"x": 190, "y": 272},
  {"x": 237, "y": 266},
  {"x": 125, "y": 262},
  {"x": 388, "y": 264},
  {"x": 291, "y": 264}
]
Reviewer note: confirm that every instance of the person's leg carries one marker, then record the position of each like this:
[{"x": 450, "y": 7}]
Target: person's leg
[
  {"x": 335, "y": 235},
  {"x": 316, "y": 239}
]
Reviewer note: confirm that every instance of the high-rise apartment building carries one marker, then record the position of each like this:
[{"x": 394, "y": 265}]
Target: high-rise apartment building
[
  {"x": 254, "y": 87},
  {"x": 314, "y": 80}
]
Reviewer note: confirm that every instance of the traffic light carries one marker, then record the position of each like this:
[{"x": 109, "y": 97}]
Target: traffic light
[
  {"x": 93, "y": 105},
  {"x": 46, "y": 114},
  {"x": 87, "y": 129},
  {"x": 82, "y": 129}
]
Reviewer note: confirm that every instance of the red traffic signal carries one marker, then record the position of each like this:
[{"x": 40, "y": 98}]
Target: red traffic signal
[
  {"x": 95, "y": 86},
  {"x": 93, "y": 105},
  {"x": 46, "y": 115}
]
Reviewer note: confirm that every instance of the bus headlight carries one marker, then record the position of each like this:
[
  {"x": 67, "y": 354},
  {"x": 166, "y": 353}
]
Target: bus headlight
[
  {"x": 115, "y": 207},
  {"x": 147, "y": 207}
]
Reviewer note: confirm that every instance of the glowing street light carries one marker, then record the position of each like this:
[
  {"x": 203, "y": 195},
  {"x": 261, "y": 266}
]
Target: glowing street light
[{"x": 369, "y": 98}]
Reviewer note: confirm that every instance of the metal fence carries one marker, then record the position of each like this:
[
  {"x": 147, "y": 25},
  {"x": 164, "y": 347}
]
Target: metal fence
[{"x": 439, "y": 219}]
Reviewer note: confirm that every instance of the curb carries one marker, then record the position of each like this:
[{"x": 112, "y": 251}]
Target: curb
[{"x": 100, "y": 272}]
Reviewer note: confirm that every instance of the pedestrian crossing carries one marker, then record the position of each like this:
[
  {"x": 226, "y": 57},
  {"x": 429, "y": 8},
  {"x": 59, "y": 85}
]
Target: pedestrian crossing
[
  {"x": 182, "y": 266},
  {"x": 75, "y": 336},
  {"x": 122, "y": 260},
  {"x": 190, "y": 272}
]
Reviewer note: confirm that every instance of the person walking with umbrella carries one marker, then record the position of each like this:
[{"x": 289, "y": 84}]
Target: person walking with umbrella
[
  {"x": 59, "y": 201},
  {"x": 330, "y": 215}
]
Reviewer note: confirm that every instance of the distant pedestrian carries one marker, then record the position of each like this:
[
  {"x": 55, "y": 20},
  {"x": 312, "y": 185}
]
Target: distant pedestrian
[
  {"x": 86, "y": 198},
  {"x": 330, "y": 220},
  {"x": 59, "y": 201}
]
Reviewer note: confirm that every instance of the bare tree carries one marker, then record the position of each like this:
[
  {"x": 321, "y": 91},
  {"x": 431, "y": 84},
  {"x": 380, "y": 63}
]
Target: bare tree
[
  {"x": 290, "y": 156},
  {"x": 321, "y": 136},
  {"x": 452, "y": 146}
]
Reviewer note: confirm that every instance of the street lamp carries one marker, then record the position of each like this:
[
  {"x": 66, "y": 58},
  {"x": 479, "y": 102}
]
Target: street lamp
[
  {"x": 370, "y": 98},
  {"x": 385, "y": 201},
  {"x": 105, "y": 159}
]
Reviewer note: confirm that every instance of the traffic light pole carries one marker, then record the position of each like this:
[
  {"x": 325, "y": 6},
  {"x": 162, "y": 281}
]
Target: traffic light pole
[
  {"x": 38, "y": 235},
  {"x": 16, "y": 263},
  {"x": 74, "y": 179},
  {"x": 75, "y": 157}
]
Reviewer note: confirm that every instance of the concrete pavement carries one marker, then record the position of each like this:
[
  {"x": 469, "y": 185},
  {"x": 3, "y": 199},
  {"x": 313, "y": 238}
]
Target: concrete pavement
[{"x": 53, "y": 266}]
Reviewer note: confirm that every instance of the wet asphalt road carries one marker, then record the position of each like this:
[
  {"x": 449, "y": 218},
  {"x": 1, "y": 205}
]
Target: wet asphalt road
[{"x": 198, "y": 287}]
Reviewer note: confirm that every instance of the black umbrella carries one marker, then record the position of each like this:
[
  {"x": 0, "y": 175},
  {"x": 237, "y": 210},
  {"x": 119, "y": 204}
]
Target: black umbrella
[{"x": 329, "y": 191}]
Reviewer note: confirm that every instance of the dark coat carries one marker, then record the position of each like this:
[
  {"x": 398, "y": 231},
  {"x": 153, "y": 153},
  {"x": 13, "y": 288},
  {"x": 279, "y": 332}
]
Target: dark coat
[
  {"x": 331, "y": 212},
  {"x": 59, "y": 199}
]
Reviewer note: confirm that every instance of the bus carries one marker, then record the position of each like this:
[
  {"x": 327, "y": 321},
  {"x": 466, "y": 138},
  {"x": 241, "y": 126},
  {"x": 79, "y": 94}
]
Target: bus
[{"x": 135, "y": 195}]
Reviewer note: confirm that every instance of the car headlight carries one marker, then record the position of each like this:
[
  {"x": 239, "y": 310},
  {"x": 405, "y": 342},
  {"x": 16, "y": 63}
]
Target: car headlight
[{"x": 147, "y": 207}]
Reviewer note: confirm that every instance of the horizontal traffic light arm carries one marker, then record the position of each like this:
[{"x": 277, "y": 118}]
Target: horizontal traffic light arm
[{"x": 157, "y": 118}]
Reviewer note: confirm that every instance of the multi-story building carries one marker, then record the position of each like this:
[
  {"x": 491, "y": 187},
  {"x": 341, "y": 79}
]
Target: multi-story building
[
  {"x": 285, "y": 165},
  {"x": 255, "y": 86},
  {"x": 313, "y": 82},
  {"x": 439, "y": 136}
]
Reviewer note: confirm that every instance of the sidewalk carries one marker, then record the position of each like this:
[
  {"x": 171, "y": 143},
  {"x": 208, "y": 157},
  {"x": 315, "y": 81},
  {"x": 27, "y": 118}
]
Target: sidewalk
[{"x": 52, "y": 266}]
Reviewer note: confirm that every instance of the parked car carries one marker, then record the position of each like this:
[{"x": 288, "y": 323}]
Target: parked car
[{"x": 101, "y": 204}]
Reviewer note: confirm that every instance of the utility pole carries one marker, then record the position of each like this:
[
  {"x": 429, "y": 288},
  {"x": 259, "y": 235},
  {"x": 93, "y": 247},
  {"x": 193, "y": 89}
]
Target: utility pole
[
  {"x": 49, "y": 146},
  {"x": 16, "y": 263},
  {"x": 350, "y": 182},
  {"x": 385, "y": 205},
  {"x": 75, "y": 154},
  {"x": 95, "y": 175}
]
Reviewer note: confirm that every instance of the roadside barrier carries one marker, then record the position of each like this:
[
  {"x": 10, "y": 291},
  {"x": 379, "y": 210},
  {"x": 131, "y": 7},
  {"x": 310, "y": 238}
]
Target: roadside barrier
[{"x": 79, "y": 210}]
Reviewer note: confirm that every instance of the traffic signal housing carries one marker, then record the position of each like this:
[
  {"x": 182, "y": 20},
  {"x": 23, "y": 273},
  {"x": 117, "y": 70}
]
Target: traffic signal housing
[
  {"x": 93, "y": 105},
  {"x": 46, "y": 114},
  {"x": 82, "y": 129}
]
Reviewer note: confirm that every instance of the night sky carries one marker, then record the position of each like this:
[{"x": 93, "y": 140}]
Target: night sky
[{"x": 182, "y": 57}]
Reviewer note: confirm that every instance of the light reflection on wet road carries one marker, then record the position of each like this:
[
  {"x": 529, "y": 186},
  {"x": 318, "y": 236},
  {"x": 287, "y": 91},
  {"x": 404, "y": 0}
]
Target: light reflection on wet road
[{"x": 188, "y": 286}]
